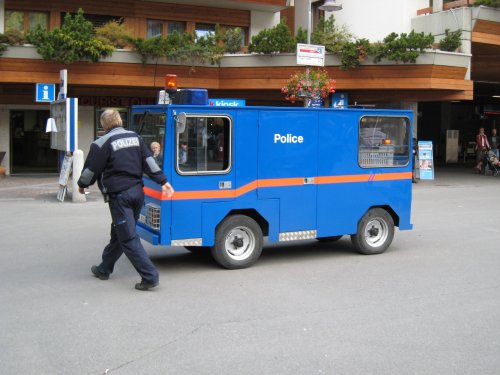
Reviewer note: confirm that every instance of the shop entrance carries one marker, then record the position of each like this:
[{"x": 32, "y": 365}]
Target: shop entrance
[{"x": 30, "y": 145}]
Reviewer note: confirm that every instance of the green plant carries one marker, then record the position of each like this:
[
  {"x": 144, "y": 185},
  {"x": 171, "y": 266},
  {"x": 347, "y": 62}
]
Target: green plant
[
  {"x": 404, "y": 47},
  {"x": 488, "y": 3},
  {"x": 13, "y": 38},
  {"x": 203, "y": 50},
  {"x": 152, "y": 48},
  {"x": 181, "y": 47},
  {"x": 3, "y": 47},
  {"x": 301, "y": 35},
  {"x": 317, "y": 85},
  {"x": 231, "y": 37},
  {"x": 73, "y": 41},
  {"x": 451, "y": 41},
  {"x": 353, "y": 53},
  {"x": 333, "y": 37},
  {"x": 36, "y": 36},
  {"x": 114, "y": 33},
  {"x": 274, "y": 40}
]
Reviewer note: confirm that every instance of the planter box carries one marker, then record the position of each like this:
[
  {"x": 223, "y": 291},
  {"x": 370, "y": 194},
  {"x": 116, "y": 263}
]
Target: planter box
[{"x": 430, "y": 57}]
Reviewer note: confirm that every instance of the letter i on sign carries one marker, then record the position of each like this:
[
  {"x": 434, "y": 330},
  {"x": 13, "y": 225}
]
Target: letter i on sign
[{"x": 45, "y": 92}]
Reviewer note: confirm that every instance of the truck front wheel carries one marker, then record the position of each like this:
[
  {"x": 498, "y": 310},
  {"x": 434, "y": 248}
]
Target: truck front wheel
[
  {"x": 375, "y": 232},
  {"x": 238, "y": 242}
]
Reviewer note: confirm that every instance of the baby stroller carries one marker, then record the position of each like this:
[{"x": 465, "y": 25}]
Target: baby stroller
[{"x": 491, "y": 163}]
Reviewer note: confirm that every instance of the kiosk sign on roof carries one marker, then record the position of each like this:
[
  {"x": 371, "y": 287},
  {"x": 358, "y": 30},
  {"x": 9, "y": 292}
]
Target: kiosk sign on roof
[
  {"x": 227, "y": 102},
  {"x": 310, "y": 54}
]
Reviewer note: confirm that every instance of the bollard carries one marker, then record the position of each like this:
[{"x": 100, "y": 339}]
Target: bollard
[{"x": 77, "y": 171}]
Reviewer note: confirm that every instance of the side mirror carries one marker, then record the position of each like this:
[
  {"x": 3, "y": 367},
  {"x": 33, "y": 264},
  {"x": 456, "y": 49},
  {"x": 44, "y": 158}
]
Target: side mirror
[{"x": 180, "y": 122}]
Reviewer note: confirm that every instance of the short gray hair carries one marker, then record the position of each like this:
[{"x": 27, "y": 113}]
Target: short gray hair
[{"x": 110, "y": 119}]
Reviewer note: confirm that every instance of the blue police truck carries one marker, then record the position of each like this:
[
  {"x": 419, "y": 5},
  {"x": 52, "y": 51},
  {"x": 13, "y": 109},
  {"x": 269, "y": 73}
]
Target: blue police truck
[{"x": 244, "y": 173}]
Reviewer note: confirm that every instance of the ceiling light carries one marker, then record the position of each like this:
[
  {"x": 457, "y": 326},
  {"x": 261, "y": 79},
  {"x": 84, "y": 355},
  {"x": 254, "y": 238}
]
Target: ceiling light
[{"x": 330, "y": 6}]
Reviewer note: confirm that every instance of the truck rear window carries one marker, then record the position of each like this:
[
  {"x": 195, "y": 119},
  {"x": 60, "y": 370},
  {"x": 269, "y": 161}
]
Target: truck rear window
[
  {"x": 384, "y": 141},
  {"x": 205, "y": 145}
]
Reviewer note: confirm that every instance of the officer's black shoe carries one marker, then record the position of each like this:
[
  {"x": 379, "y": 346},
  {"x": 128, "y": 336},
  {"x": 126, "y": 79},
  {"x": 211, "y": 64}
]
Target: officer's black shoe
[
  {"x": 100, "y": 275},
  {"x": 144, "y": 285}
]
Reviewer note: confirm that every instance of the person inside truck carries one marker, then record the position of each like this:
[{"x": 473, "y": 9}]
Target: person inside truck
[
  {"x": 183, "y": 153},
  {"x": 157, "y": 154}
]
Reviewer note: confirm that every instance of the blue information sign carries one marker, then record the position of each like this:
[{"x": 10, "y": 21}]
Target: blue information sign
[
  {"x": 425, "y": 160},
  {"x": 340, "y": 100},
  {"x": 227, "y": 102},
  {"x": 45, "y": 92}
]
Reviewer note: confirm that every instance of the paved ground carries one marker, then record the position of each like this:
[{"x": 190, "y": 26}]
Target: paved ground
[{"x": 429, "y": 305}]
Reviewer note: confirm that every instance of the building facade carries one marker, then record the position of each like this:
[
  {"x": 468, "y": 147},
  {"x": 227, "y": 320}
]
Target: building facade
[{"x": 437, "y": 84}]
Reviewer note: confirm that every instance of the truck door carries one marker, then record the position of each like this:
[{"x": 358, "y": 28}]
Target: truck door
[
  {"x": 154, "y": 221},
  {"x": 202, "y": 173},
  {"x": 287, "y": 165}
]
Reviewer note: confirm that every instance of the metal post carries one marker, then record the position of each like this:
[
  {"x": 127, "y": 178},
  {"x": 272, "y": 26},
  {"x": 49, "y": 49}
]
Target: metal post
[
  {"x": 309, "y": 25},
  {"x": 77, "y": 171}
]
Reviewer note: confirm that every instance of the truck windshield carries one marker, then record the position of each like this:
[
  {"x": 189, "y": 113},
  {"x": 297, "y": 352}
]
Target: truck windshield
[{"x": 151, "y": 127}]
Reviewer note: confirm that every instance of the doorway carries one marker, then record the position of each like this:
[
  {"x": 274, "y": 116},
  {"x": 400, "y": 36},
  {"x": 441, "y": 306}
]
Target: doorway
[{"x": 30, "y": 144}]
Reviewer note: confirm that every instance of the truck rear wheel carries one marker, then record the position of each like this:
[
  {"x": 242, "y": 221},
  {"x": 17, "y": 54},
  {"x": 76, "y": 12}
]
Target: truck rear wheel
[
  {"x": 238, "y": 242},
  {"x": 375, "y": 232}
]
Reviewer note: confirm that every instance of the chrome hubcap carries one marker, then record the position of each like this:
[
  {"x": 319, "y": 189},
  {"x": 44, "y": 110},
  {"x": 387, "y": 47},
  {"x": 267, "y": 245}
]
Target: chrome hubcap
[
  {"x": 239, "y": 243},
  {"x": 376, "y": 232}
]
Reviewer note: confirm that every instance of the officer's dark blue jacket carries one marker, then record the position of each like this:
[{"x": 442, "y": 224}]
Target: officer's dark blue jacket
[{"x": 117, "y": 161}]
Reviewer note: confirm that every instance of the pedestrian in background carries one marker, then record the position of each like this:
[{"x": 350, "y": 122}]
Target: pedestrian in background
[
  {"x": 117, "y": 161},
  {"x": 482, "y": 145},
  {"x": 495, "y": 142}
]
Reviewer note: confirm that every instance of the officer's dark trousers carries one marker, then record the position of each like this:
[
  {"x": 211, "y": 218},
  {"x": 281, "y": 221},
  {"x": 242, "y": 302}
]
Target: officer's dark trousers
[{"x": 125, "y": 208}]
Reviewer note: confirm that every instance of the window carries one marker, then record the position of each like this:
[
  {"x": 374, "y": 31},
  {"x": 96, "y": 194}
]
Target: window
[
  {"x": 204, "y": 30},
  {"x": 205, "y": 145},
  {"x": 25, "y": 21},
  {"x": 175, "y": 26},
  {"x": 150, "y": 126},
  {"x": 99, "y": 130},
  {"x": 157, "y": 28},
  {"x": 384, "y": 141}
]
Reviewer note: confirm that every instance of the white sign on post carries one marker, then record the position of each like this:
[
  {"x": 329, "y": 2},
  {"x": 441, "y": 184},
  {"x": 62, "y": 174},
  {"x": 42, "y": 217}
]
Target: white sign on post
[{"x": 310, "y": 54}]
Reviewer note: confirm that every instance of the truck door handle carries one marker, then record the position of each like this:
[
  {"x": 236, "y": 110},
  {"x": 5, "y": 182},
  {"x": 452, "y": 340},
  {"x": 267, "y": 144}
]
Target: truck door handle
[{"x": 308, "y": 180}]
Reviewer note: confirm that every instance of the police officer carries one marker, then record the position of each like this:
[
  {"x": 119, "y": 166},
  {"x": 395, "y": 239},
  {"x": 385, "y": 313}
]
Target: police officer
[{"x": 117, "y": 161}]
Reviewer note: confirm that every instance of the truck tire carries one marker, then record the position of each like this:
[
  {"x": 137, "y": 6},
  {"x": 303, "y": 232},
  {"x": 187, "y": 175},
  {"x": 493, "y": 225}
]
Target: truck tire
[
  {"x": 375, "y": 232},
  {"x": 238, "y": 242},
  {"x": 328, "y": 239}
]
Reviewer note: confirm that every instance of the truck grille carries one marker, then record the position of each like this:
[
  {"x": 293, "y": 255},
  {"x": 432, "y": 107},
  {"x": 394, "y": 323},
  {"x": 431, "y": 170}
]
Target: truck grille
[{"x": 151, "y": 216}]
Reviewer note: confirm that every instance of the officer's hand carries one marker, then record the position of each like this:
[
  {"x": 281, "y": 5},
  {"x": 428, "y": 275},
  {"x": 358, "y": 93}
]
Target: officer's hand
[
  {"x": 81, "y": 190},
  {"x": 167, "y": 189}
]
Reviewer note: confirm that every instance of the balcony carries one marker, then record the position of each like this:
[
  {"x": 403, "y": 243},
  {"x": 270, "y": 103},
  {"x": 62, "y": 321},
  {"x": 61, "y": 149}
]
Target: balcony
[{"x": 435, "y": 76}]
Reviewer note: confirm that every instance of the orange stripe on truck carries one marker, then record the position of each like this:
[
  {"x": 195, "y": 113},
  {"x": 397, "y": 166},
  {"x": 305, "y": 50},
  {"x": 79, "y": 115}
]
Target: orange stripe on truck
[{"x": 275, "y": 182}]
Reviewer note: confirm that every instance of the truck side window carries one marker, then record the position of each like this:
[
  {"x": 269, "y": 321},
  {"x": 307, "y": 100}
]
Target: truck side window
[
  {"x": 205, "y": 145},
  {"x": 384, "y": 141}
]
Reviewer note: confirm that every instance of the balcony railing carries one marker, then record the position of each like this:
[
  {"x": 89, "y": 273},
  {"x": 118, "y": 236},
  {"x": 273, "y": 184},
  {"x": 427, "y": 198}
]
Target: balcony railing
[{"x": 448, "y": 6}]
